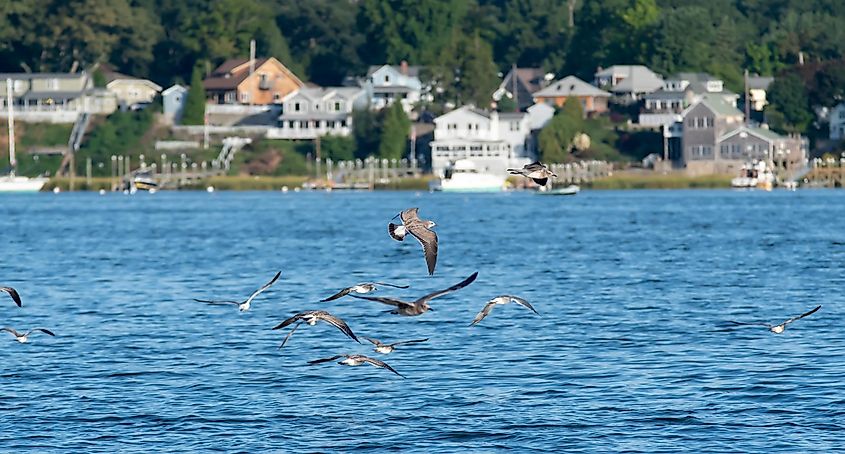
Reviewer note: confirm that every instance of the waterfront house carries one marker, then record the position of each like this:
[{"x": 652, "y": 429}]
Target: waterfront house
[
  {"x": 173, "y": 103},
  {"x": 238, "y": 81},
  {"x": 628, "y": 83},
  {"x": 837, "y": 122},
  {"x": 311, "y": 112},
  {"x": 757, "y": 88},
  {"x": 387, "y": 84},
  {"x": 54, "y": 97},
  {"x": 131, "y": 93},
  {"x": 678, "y": 93},
  {"x": 520, "y": 84},
  {"x": 593, "y": 100},
  {"x": 494, "y": 141}
]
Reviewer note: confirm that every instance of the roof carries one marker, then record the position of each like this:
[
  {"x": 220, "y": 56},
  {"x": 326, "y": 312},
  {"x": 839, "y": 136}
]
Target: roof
[
  {"x": 136, "y": 80},
  {"x": 532, "y": 78},
  {"x": 21, "y": 76},
  {"x": 511, "y": 115},
  {"x": 413, "y": 71},
  {"x": 637, "y": 79},
  {"x": 571, "y": 86},
  {"x": 718, "y": 105},
  {"x": 172, "y": 88},
  {"x": 232, "y": 72},
  {"x": 763, "y": 133},
  {"x": 759, "y": 82},
  {"x": 52, "y": 95},
  {"x": 315, "y": 93}
]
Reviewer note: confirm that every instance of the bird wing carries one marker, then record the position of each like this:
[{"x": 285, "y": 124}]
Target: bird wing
[
  {"x": 290, "y": 320},
  {"x": 409, "y": 215},
  {"x": 483, "y": 313},
  {"x": 217, "y": 302},
  {"x": 801, "y": 316},
  {"x": 385, "y": 284},
  {"x": 416, "y": 341},
  {"x": 337, "y": 295},
  {"x": 264, "y": 287},
  {"x": 382, "y": 364},
  {"x": 325, "y": 360},
  {"x": 43, "y": 330},
  {"x": 13, "y": 293},
  {"x": 339, "y": 324},
  {"x": 375, "y": 342},
  {"x": 383, "y": 300},
  {"x": 11, "y": 330},
  {"x": 457, "y": 286},
  {"x": 522, "y": 303},
  {"x": 428, "y": 240},
  {"x": 541, "y": 181},
  {"x": 289, "y": 335},
  {"x": 391, "y": 230}
]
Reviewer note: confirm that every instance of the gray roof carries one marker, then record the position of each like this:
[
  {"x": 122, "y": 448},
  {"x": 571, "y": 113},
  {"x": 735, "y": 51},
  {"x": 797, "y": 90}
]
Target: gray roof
[
  {"x": 413, "y": 71},
  {"x": 759, "y": 82},
  {"x": 27, "y": 76},
  {"x": 570, "y": 86},
  {"x": 322, "y": 92},
  {"x": 637, "y": 79},
  {"x": 314, "y": 116},
  {"x": 763, "y": 133},
  {"x": 717, "y": 104}
]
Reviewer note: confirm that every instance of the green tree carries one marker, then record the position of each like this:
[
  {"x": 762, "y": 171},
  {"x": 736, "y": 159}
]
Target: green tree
[
  {"x": 394, "y": 132},
  {"x": 337, "y": 148},
  {"x": 366, "y": 131},
  {"x": 194, "y": 112},
  {"x": 829, "y": 84},
  {"x": 555, "y": 139},
  {"x": 788, "y": 109}
]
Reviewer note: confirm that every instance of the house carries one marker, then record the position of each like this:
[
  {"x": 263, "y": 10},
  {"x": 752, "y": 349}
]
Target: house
[
  {"x": 386, "y": 84},
  {"x": 131, "y": 93},
  {"x": 628, "y": 82},
  {"x": 837, "y": 122},
  {"x": 539, "y": 114},
  {"x": 262, "y": 81},
  {"x": 493, "y": 141},
  {"x": 311, "y": 112},
  {"x": 678, "y": 93},
  {"x": 746, "y": 144},
  {"x": 173, "y": 103},
  {"x": 757, "y": 87},
  {"x": 520, "y": 84},
  {"x": 54, "y": 97},
  {"x": 593, "y": 100}
]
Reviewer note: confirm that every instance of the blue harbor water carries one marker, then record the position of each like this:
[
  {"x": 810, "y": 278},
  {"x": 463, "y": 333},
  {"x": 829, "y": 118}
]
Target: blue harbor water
[{"x": 631, "y": 353}]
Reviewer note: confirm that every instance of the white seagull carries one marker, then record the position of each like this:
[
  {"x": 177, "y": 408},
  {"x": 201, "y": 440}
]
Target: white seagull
[
  {"x": 362, "y": 288},
  {"x": 243, "y": 306},
  {"x": 311, "y": 318},
  {"x": 502, "y": 299},
  {"x": 537, "y": 171},
  {"x": 388, "y": 348},
  {"x": 778, "y": 329},
  {"x": 356, "y": 360},
  {"x": 420, "y": 305},
  {"x": 24, "y": 337}
]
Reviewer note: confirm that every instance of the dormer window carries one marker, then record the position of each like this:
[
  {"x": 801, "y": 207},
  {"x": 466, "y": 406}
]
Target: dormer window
[
  {"x": 714, "y": 86},
  {"x": 337, "y": 107},
  {"x": 296, "y": 107},
  {"x": 386, "y": 78}
]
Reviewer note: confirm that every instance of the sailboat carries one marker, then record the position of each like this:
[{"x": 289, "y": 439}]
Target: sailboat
[{"x": 11, "y": 182}]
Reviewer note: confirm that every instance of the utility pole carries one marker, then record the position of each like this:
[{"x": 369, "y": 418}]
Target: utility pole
[
  {"x": 9, "y": 103},
  {"x": 571, "y": 4},
  {"x": 317, "y": 151},
  {"x": 747, "y": 101},
  {"x": 515, "y": 89},
  {"x": 251, "y": 62}
]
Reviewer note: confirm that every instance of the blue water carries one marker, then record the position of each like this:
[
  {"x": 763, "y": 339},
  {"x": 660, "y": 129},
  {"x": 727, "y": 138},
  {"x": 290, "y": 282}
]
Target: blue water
[{"x": 631, "y": 353}]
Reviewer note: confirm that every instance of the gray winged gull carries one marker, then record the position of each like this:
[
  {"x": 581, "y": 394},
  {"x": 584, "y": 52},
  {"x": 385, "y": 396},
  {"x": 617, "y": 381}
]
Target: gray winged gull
[
  {"x": 420, "y": 305},
  {"x": 362, "y": 288},
  {"x": 419, "y": 229},
  {"x": 778, "y": 329},
  {"x": 381, "y": 347},
  {"x": 537, "y": 171},
  {"x": 356, "y": 360},
  {"x": 311, "y": 318},
  {"x": 13, "y": 293},
  {"x": 502, "y": 299},
  {"x": 24, "y": 337},
  {"x": 243, "y": 306}
]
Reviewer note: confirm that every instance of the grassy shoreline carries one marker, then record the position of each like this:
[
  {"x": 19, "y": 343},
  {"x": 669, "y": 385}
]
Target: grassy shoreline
[{"x": 660, "y": 181}]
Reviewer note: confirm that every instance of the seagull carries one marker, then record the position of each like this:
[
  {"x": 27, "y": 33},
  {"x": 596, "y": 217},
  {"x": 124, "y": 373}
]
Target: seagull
[
  {"x": 778, "y": 329},
  {"x": 365, "y": 287},
  {"x": 24, "y": 337},
  {"x": 502, "y": 299},
  {"x": 356, "y": 360},
  {"x": 13, "y": 293},
  {"x": 311, "y": 318},
  {"x": 420, "y": 305},
  {"x": 388, "y": 348},
  {"x": 243, "y": 306},
  {"x": 421, "y": 230},
  {"x": 537, "y": 171}
]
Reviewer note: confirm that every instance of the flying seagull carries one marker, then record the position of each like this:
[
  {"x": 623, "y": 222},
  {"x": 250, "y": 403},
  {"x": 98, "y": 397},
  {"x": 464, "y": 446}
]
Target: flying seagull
[
  {"x": 502, "y": 299},
  {"x": 537, "y": 171},
  {"x": 388, "y": 348},
  {"x": 420, "y": 305},
  {"x": 356, "y": 360},
  {"x": 24, "y": 337},
  {"x": 421, "y": 230},
  {"x": 243, "y": 306},
  {"x": 311, "y": 318},
  {"x": 778, "y": 329},
  {"x": 365, "y": 287},
  {"x": 13, "y": 293}
]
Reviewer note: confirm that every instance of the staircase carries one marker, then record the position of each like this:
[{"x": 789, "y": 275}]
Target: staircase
[{"x": 74, "y": 141}]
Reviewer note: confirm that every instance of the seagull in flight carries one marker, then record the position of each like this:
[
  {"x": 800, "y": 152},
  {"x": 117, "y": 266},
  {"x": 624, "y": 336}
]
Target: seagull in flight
[
  {"x": 243, "y": 306},
  {"x": 537, "y": 171},
  {"x": 365, "y": 287},
  {"x": 778, "y": 329},
  {"x": 418, "y": 306},
  {"x": 388, "y": 348},
  {"x": 502, "y": 299},
  {"x": 24, "y": 337},
  {"x": 311, "y": 318},
  {"x": 419, "y": 229},
  {"x": 13, "y": 293},
  {"x": 356, "y": 360}
]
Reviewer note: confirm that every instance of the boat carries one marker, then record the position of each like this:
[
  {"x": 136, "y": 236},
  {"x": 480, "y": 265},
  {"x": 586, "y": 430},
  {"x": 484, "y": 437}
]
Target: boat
[
  {"x": 12, "y": 182},
  {"x": 463, "y": 176},
  {"x": 755, "y": 175},
  {"x": 572, "y": 189},
  {"x": 143, "y": 181}
]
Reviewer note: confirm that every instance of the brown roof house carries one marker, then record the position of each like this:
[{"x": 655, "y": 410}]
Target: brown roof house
[
  {"x": 593, "y": 100},
  {"x": 236, "y": 81}
]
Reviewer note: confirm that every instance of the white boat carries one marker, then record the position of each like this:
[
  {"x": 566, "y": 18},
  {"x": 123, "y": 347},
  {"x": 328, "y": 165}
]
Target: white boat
[
  {"x": 463, "y": 176},
  {"x": 11, "y": 182},
  {"x": 756, "y": 175}
]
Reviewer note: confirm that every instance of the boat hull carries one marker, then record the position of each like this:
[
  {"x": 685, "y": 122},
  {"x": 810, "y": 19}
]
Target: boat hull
[{"x": 21, "y": 184}]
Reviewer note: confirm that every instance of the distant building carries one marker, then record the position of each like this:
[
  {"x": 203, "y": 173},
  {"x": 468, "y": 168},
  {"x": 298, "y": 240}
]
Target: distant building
[
  {"x": 539, "y": 114},
  {"x": 311, "y": 112},
  {"x": 387, "y": 84},
  {"x": 173, "y": 103},
  {"x": 493, "y": 141},
  {"x": 757, "y": 88},
  {"x": 837, "y": 122},
  {"x": 628, "y": 82},
  {"x": 132, "y": 93},
  {"x": 54, "y": 97},
  {"x": 268, "y": 83},
  {"x": 520, "y": 84},
  {"x": 678, "y": 93},
  {"x": 593, "y": 100}
]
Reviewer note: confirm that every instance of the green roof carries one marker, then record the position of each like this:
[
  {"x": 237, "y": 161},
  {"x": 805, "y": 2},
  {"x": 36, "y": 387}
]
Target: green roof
[{"x": 718, "y": 105}]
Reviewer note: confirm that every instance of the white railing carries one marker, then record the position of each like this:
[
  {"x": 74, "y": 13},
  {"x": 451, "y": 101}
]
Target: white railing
[{"x": 239, "y": 109}]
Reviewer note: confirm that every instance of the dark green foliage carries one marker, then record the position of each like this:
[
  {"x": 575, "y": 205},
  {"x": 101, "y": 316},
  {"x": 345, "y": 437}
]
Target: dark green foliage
[
  {"x": 505, "y": 104},
  {"x": 788, "y": 109},
  {"x": 555, "y": 139},
  {"x": 337, "y": 148},
  {"x": 395, "y": 128},
  {"x": 366, "y": 130},
  {"x": 194, "y": 113},
  {"x": 99, "y": 79},
  {"x": 119, "y": 135}
]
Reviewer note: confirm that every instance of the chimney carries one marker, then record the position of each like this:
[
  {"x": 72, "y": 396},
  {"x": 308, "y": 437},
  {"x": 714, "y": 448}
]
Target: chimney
[{"x": 403, "y": 67}]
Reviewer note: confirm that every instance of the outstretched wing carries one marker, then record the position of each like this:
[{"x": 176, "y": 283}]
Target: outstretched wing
[
  {"x": 522, "y": 303},
  {"x": 383, "y": 300},
  {"x": 416, "y": 341},
  {"x": 375, "y": 342},
  {"x": 483, "y": 313},
  {"x": 802, "y": 315},
  {"x": 409, "y": 215},
  {"x": 10, "y": 330},
  {"x": 457, "y": 286},
  {"x": 337, "y": 295},
  {"x": 385, "y": 284},
  {"x": 428, "y": 240},
  {"x": 339, "y": 324},
  {"x": 325, "y": 360},
  {"x": 13, "y": 293},
  {"x": 382, "y": 364},
  {"x": 290, "y": 320},
  {"x": 43, "y": 330},
  {"x": 289, "y": 335},
  {"x": 264, "y": 287},
  {"x": 219, "y": 303}
]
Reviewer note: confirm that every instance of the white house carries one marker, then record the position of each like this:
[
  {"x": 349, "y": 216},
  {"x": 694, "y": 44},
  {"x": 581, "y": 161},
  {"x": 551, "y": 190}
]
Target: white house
[
  {"x": 837, "y": 122},
  {"x": 628, "y": 82},
  {"x": 132, "y": 93},
  {"x": 493, "y": 141},
  {"x": 386, "y": 84},
  {"x": 311, "y": 112},
  {"x": 54, "y": 97}
]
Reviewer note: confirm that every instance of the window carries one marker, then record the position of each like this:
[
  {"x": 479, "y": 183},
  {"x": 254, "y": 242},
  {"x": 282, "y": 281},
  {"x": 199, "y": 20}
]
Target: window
[
  {"x": 701, "y": 152},
  {"x": 316, "y": 106},
  {"x": 514, "y": 126},
  {"x": 709, "y": 122},
  {"x": 296, "y": 107},
  {"x": 342, "y": 123},
  {"x": 244, "y": 97},
  {"x": 337, "y": 106},
  {"x": 277, "y": 97},
  {"x": 386, "y": 78},
  {"x": 52, "y": 84},
  {"x": 290, "y": 124}
]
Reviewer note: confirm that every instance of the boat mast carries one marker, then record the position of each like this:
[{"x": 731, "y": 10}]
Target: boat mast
[{"x": 11, "y": 125}]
